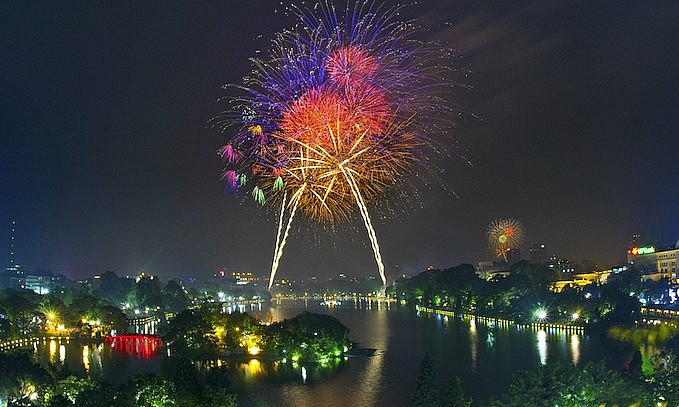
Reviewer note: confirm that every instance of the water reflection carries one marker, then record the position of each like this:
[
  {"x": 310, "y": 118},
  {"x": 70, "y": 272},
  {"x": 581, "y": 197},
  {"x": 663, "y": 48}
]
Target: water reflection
[
  {"x": 252, "y": 369},
  {"x": 371, "y": 381},
  {"x": 575, "y": 349},
  {"x": 135, "y": 345},
  {"x": 542, "y": 346},
  {"x": 490, "y": 339},
  {"x": 473, "y": 339},
  {"x": 86, "y": 359},
  {"x": 147, "y": 328},
  {"x": 53, "y": 351}
]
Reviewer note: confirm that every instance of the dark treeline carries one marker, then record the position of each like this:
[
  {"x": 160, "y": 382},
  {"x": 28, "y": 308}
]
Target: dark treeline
[
  {"x": 519, "y": 295},
  {"x": 74, "y": 312}
]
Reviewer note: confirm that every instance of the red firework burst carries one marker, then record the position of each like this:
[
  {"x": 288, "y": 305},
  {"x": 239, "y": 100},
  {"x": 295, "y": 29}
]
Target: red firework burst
[{"x": 351, "y": 66}]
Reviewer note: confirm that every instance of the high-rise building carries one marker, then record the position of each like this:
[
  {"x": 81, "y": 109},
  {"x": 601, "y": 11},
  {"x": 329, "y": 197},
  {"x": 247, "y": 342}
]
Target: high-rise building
[
  {"x": 513, "y": 255},
  {"x": 16, "y": 277},
  {"x": 13, "y": 275},
  {"x": 11, "y": 243},
  {"x": 537, "y": 253}
]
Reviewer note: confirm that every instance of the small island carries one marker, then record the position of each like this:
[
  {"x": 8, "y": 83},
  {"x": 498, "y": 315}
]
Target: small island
[{"x": 207, "y": 333}]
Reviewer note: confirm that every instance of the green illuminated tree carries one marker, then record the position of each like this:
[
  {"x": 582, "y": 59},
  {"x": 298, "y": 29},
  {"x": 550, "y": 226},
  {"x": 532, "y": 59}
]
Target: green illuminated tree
[
  {"x": 191, "y": 334},
  {"x": 308, "y": 336},
  {"x": 70, "y": 389},
  {"x": 664, "y": 379},
  {"x": 144, "y": 390}
]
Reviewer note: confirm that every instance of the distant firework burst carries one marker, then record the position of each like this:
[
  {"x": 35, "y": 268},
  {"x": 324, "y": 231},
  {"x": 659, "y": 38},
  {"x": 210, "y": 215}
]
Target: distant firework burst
[
  {"x": 341, "y": 114},
  {"x": 504, "y": 235}
]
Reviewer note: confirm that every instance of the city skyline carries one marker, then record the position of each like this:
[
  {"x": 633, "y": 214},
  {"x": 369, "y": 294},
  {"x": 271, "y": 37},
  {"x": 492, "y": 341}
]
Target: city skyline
[{"x": 109, "y": 163}]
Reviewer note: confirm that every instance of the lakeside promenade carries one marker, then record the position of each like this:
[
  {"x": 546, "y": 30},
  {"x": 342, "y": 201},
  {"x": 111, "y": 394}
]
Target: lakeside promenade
[{"x": 501, "y": 322}]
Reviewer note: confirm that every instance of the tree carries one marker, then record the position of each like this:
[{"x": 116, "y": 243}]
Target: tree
[
  {"x": 175, "y": 299},
  {"x": 570, "y": 386},
  {"x": 145, "y": 293},
  {"x": 185, "y": 376},
  {"x": 455, "y": 396},
  {"x": 20, "y": 308},
  {"x": 103, "y": 395},
  {"x": 19, "y": 376},
  {"x": 217, "y": 390},
  {"x": 426, "y": 393},
  {"x": 191, "y": 334},
  {"x": 664, "y": 379},
  {"x": 114, "y": 289},
  {"x": 308, "y": 336},
  {"x": 146, "y": 390},
  {"x": 70, "y": 388}
]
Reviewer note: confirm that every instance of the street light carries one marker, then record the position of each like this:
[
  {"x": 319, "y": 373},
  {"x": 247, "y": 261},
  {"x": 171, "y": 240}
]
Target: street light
[{"x": 541, "y": 314}]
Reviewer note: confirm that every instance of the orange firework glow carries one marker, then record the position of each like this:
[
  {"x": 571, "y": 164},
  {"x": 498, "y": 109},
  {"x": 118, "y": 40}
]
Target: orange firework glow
[{"x": 337, "y": 118}]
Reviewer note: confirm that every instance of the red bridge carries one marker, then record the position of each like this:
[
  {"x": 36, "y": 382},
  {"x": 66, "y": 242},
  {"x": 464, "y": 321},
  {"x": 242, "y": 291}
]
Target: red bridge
[{"x": 143, "y": 346}]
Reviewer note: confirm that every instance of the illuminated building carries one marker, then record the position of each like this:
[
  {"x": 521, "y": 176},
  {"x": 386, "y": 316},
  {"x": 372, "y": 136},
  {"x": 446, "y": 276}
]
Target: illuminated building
[
  {"x": 489, "y": 269},
  {"x": 12, "y": 277},
  {"x": 587, "y": 278},
  {"x": 655, "y": 262},
  {"x": 40, "y": 281},
  {"x": 243, "y": 277}
]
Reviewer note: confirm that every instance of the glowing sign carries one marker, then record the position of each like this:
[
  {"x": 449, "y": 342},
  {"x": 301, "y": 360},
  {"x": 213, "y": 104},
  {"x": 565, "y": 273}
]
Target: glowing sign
[
  {"x": 647, "y": 250},
  {"x": 635, "y": 251}
]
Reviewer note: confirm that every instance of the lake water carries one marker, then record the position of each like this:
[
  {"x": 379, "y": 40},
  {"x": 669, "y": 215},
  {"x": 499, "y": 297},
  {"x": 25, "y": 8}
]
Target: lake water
[{"x": 485, "y": 357}]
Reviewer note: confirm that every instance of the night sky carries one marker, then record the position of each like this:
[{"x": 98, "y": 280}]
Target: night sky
[{"x": 108, "y": 162}]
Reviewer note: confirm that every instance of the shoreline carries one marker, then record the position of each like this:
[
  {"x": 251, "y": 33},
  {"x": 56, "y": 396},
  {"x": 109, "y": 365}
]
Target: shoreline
[{"x": 579, "y": 329}]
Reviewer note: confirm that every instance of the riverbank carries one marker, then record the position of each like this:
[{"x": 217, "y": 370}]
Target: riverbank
[
  {"x": 578, "y": 329},
  {"x": 25, "y": 342}
]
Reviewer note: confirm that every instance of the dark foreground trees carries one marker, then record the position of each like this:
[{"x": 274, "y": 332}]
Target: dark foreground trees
[
  {"x": 426, "y": 392},
  {"x": 572, "y": 386},
  {"x": 25, "y": 383},
  {"x": 566, "y": 385}
]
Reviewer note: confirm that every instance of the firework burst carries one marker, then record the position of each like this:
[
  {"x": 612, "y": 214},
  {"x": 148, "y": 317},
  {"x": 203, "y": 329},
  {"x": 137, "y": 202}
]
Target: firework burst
[
  {"x": 503, "y": 236},
  {"x": 340, "y": 115}
]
